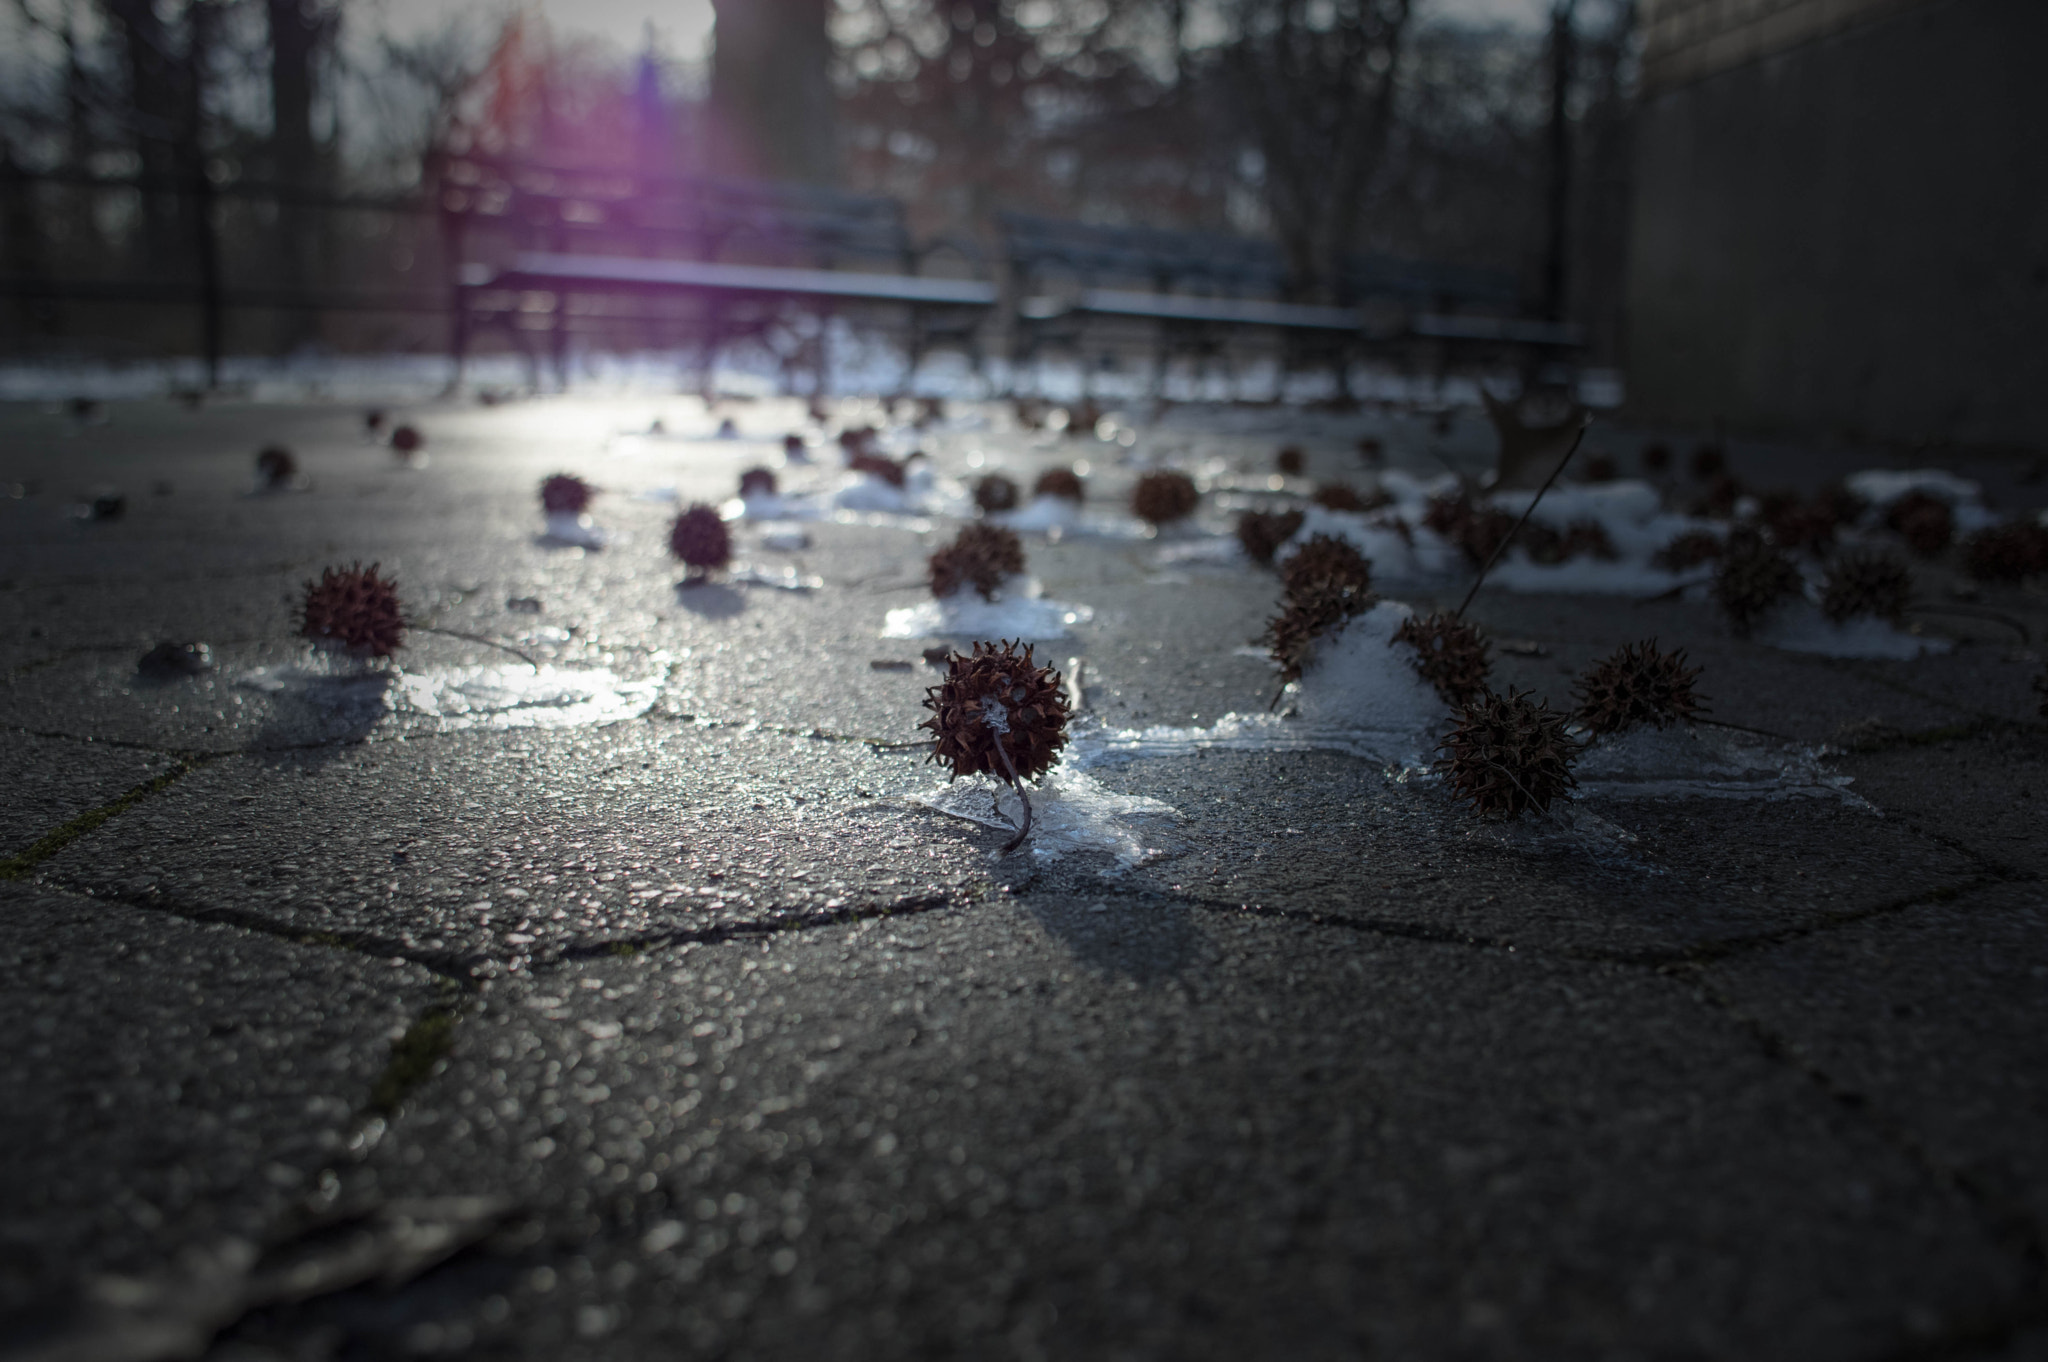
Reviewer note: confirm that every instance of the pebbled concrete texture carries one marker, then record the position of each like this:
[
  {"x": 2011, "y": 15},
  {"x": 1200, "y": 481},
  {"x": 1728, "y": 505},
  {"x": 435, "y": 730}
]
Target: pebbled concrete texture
[
  {"x": 170, "y": 1083},
  {"x": 766, "y": 1057}
]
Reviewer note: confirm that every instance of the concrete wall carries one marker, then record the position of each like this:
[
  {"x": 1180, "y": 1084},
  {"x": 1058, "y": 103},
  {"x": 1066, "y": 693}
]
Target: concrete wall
[{"x": 1849, "y": 235}]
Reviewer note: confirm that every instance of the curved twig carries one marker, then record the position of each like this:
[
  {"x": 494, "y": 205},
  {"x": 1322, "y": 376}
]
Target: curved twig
[
  {"x": 1743, "y": 728},
  {"x": 1509, "y": 537},
  {"x": 475, "y": 638},
  {"x": 1022, "y": 798}
]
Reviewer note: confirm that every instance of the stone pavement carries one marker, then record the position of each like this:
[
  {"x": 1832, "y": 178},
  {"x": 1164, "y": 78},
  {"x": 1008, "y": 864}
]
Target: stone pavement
[{"x": 344, "y": 1029}]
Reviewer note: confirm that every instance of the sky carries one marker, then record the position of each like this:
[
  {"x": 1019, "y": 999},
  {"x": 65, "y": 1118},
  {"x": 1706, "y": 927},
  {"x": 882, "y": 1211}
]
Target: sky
[{"x": 682, "y": 28}]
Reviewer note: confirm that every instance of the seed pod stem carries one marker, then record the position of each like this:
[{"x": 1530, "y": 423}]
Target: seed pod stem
[{"x": 1509, "y": 537}]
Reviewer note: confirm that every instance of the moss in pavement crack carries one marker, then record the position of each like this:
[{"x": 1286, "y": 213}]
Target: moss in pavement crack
[
  {"x": 413, "y": 1057},
  {"x": 19, "y": 865}
]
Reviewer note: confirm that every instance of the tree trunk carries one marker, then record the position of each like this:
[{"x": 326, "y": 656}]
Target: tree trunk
[{"x": 771, "y": 90}]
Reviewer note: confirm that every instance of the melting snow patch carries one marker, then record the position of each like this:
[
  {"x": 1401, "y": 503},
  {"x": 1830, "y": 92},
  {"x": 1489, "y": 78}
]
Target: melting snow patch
[
  {"x": 1022, "y": 615},
  {"x": 1216, "y": 549},
  {"x": 769, "y": 506},
  {"x": 1882, "y": 487},
  {"x": 1359, "y": 696},
  {"x": 870, "y": 493},
  {"x": 1800, "y": 627},
  {"x": 1042, "y": 515},
  {"x": 1693, "y": 763},
  {"x": 1071, "y": 812}
]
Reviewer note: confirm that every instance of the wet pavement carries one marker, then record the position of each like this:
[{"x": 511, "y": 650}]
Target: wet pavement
[{"x": 605, "y": 982}]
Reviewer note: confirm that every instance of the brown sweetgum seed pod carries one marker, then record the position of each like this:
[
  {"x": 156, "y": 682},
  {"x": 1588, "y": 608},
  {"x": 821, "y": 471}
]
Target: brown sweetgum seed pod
[
  {"x": 1754, "y": 578},
  {"x": 565, "y": 494},
  {"x": 877, "y": 466},
  {"x": 700, "y": 539},
  {"x": 758, "y": 482},
  {"x": 1926, "y": 523},
  {"x": 275, "y": 466},
  {"x": 995, "y": 493},
  {"x": 1290, "y": 461},
  {"x": 2007, "y": 553},
  {"x": 981, "y": 556},
  {"x": 1164, "y": 496},
  {"x": 1326, "y": 558},
  {"x": 1449, "y": 654},
  {"x": 355, "y": 610},
  {"x": 1477, "y": 531},
  {"x": 1507, "y": 756},
  {"x": 1636, "y": 685},
  {"x": 1309, "y": 612},
  {"x": 1063, "y": 483},
  {"x": 1032, "y": 705},
  {"x": 1875, "y": 584},
  {"x": 1342, "y": 496},
  {"x": 1263, "y": 532},
  {"x": 407, "y": 440}
]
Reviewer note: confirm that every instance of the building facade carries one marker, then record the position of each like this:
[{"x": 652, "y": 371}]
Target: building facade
[{"x": 1840, "y": 222}]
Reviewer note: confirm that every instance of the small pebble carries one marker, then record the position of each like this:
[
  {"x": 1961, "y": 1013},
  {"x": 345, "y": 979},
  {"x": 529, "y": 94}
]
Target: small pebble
[{"x": 169, "y": 661}]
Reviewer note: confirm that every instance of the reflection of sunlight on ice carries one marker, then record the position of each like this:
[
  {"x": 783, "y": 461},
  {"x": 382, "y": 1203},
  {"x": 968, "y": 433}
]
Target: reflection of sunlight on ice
[
  {"x": 458, "y": 698},
  {"x": 1696, "y": 763},
  {"x": 1020, "y": 615},
  {"x": 513, "y": 697},
  {"x": 1071, "y": 812}
]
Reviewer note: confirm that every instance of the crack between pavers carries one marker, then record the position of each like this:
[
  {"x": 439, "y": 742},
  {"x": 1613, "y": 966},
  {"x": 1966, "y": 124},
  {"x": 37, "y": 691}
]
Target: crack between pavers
[
  {"x": 2011, "y": 1227},
  {"x": 752, "y": 929},
  {"x": 20, "y": 865},
  {"x": 455, "y": 967}
]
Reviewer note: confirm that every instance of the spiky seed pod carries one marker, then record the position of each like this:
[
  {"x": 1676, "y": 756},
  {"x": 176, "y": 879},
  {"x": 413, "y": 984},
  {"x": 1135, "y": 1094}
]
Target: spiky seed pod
[
  {"x": 1449, "y": 654},
  {"x": 700, "y": 539},
  {"x": 1874, "y": 584},
  {"x": 1290, "y": 460},
  {"x": 1310, "y": 611},
  {"x": 1032, "y": 705},
  {"x": 355, "y": 610},
  {"x": 1263, "y": 532},
  {"x": 1657, "y": 457},
  {"x": 1926, "y": 523},
  {"x": 1477, "y": 531},
  {"x": 981, "y": 556},
  {"x": 1371, "y": 450},
  {"x": 1342, "y": 496},
  {"x": 1636, "y": 685},
  {"x": 757, "y": 482},
  {"x": 1542, "y": 543},
  {"x": 1692, "y": 549},
  {"x": 1164, "y": 496},
  {"x": 794, "y": 449},
  {"x": 275, "y": 467},
  {"x": 1708, "y": 463},
  {"x": 1754, "y": 578},
  {"x": 1326, "y": 558},
  {"x": 995, "y": 493},
  {"x": 1841, "y": 505},
  {"x": 408, "y": 440},
  {"x": 373, "y": 420},
  {"x": 1507, "y": 756},
  {"x": 1063, "y": 483},
  {"x": 1600, "y": 468},
  {"x": 1797, "y": 526},
  {"x": 2007, "y": 553},
  {"x": 878, "y": 466},
  {"x": 565, "y": 494}
]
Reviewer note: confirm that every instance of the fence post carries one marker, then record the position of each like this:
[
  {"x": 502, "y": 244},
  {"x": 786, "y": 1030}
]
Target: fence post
[{"x": 211, "y": 307}]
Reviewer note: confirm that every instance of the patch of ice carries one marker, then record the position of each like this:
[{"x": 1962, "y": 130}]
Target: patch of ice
[
  {"x": 568, "y": 529},
  {"x": 1696, "y": 763},
  {"x": 1071, "y": 813},
  {"x": 1800, "y": 627},
  {"x": 782, "y": 579},
  {"x": 1394, "y": 556},
  {"x": 1214, "y": 549},
  {"x": 513, "y": 697},
  {"x": 771, "y": 506},
  {"x": 1020, "y": 614}
]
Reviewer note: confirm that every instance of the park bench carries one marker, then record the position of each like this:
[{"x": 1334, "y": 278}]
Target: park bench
[{"x": 530, "y": 238}]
